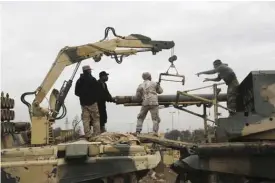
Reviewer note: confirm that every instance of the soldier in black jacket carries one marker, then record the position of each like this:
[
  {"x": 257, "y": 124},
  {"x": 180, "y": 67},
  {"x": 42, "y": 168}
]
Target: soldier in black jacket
[
  {"x": 105, "y": 96},
  {"x": 88, "y": 91}
]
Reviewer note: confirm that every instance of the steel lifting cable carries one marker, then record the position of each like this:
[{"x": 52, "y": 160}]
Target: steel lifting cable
[
  {"x": 172, "y": 51},
  {"x": 172, "y": 62}
]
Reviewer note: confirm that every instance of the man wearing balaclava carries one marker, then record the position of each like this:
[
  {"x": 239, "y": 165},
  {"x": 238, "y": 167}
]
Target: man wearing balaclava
[
  {"x": 228, "y": 75},
  {"x": 105, "y": 97},
  {"x": 147, "y": 92}
]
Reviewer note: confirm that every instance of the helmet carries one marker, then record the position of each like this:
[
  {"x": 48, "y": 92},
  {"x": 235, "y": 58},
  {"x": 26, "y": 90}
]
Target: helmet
[{"x": 146, "y": 75}]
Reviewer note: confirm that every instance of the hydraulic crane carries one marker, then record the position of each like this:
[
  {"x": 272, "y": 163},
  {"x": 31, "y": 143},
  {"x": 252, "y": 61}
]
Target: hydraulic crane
[{"x": 42, "y": 118}]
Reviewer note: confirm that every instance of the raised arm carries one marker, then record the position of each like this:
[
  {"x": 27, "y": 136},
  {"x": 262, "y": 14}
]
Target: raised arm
[
  {"x": 213, "y": 71},
  {"x": 159, "y": 89},
  {"x": 109, "y": 97},
  {"x": 212, "y": 79}
]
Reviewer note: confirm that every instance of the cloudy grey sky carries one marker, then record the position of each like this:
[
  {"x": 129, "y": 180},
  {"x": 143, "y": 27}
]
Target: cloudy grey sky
[{"x": 241, "y": 34}]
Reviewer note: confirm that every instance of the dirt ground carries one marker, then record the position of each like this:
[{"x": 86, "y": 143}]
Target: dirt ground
[{"x": 162, "y": 174}]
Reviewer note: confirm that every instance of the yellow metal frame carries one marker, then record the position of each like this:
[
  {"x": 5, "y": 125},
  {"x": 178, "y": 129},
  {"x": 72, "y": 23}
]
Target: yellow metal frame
[{"x": 214, "y": 102}]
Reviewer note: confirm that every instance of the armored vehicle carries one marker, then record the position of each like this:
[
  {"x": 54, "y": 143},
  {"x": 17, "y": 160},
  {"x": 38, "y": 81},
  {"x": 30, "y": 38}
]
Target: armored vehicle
[{"x": 79, "y": 161}]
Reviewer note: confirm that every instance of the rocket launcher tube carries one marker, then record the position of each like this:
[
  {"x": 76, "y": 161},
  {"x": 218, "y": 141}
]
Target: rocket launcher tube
[{"x": 169, "y": 99}]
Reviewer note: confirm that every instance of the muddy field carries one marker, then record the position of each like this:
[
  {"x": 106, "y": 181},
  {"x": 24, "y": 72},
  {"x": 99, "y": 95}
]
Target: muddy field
[{"x": 162, "y": 174}]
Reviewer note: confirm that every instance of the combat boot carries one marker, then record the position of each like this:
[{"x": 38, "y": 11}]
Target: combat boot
[
  {"x": 155, "y": 134},
  {"x": 102, "y": 129},
  {"x": 136, "y": 133},
  {"x": 90, "y": 139}
]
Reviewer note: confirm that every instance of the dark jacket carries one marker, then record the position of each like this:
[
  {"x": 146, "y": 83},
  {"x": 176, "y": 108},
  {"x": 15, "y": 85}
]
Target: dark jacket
[
  {"x": 87, "y": 89},
  {"x": 104, "y": 92}
]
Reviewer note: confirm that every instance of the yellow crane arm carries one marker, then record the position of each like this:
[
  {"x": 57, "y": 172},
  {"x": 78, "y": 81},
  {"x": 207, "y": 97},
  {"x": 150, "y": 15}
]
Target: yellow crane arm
[
  {"x": 71, "y": 55},
  {"x": 74, "y": 55},
  {"x": 43, "y": 118}
]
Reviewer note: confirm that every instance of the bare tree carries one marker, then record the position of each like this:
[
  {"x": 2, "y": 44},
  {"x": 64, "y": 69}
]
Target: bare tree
[
  {"x": 198, "y": 135},
  {"x": 57, "y": 132},
  {"x": 186, "y": 135},
  {"x": 76, "y": 127},
  {"x": 173, "y": 135}
]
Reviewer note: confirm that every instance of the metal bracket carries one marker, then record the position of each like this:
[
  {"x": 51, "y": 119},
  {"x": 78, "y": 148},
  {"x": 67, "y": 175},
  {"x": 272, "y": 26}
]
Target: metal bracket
[{"x": 171, "y": 60}]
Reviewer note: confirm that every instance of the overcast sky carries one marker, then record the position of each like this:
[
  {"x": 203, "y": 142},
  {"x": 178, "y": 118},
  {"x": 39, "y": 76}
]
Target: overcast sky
[{"x": 241, "y": 34}]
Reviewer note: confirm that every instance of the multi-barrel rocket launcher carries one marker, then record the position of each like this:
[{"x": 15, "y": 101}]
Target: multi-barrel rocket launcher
[
  {"x": 12, "y": 133},
  {"x": 172, "y": 100},
  {"x": 7, "y": 114},
  {"x": 7, "y": 105}
]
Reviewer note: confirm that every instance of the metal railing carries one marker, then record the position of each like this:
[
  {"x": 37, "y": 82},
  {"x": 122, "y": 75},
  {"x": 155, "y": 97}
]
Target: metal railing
[{"x": 205, "y": 102}]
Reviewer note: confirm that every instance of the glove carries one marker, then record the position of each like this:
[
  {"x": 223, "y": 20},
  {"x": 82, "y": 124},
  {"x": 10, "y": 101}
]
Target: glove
[{"x": 112, "y": 100}]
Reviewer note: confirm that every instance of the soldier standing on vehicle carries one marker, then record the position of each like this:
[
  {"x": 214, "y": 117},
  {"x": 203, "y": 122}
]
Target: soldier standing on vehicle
[
  {"x": 229, "y": 77},
  {"x": 105, "y": 97},
  {"x": 87, "y": 89},
  {"x": 147, "y": 92}
]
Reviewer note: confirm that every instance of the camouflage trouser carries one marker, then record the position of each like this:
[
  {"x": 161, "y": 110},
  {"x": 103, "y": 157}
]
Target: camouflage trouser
[
  {"x": 232, "y": 92},
  {"x": 154, "y": 110},
  {"x": 90, "y": 115}
]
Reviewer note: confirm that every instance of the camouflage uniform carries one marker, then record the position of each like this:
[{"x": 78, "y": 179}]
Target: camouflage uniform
[
  {"x": 147, "y": 92},
  {"x": 229, "y": 77},
  {"x": 117, "y": 138},
  {"x": 88, "y": 91},
  {"x": 154, "y": 110},
  {"x": 232, "y": 92},
  {"x": 90, "y": 117}
]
